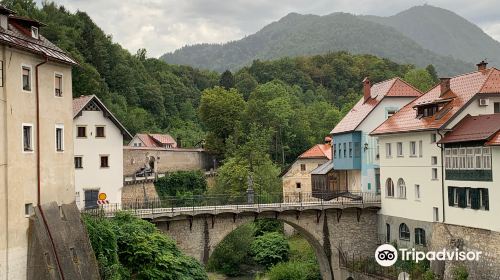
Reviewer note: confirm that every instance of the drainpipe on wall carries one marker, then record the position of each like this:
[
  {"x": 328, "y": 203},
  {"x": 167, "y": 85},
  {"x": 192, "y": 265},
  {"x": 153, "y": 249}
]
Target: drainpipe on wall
[
  {"x": 440, "y": 146},
  {"x": 38, "y": 167}
]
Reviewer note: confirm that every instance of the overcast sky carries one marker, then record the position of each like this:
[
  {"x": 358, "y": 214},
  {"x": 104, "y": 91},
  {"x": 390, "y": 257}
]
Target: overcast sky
[{"x": 164, "y": 25}]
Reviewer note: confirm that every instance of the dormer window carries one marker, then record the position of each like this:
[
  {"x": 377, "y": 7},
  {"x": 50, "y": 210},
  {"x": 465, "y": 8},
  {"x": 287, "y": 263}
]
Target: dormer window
[
  {"x": 427, "y": 111},
  {"x": 34, "y": 32}
]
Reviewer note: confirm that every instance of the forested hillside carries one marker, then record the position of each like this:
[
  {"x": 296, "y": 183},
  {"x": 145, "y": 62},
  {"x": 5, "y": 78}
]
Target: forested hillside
[
  {"x": 295, "y": 102},
  {"x": 296, "y": 35},
  {"x": 445, "y": 33}
]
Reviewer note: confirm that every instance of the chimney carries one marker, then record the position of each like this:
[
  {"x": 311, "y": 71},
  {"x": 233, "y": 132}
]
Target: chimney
[
  {"x": 481, "y": 65},
  {"x": 366, "y": 89},
  {"x": 445, "y": 85}
]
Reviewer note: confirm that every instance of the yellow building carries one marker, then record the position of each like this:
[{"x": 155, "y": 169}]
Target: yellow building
[{"x": 36, "y": 146}]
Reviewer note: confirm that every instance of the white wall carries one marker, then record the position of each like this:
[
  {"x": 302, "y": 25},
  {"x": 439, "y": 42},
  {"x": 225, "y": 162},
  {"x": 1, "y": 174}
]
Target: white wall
[
  {"x": 136, "y": 142},
  {"x": 92, "y": 176},
  {"x": 474, "y": 109},
  {"x": 413, "y": 170},
  {"x": 478, "y": 218}
]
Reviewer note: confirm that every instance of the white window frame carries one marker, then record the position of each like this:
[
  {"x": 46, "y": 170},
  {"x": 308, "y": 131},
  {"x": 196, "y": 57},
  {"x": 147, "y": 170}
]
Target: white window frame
[
  {"x": 35, "y": 32},
  {"x": 388, "y": 150},
  {"x": 469, "y": 163},
  {"x": 31, "y": 140},
  {"x": 417, "y": 192},
  {"x": 30, "y": 77},
  {"x": 413, "y": 148},
  {"x": 420, "y": 148},
  {"x": 486, "y": 158},
  {"x": 399, "y": 149},
  {"x": 59, "y": 126},
  {"x": 78, "y": 156},
  {"x": 62, "y": 84}
]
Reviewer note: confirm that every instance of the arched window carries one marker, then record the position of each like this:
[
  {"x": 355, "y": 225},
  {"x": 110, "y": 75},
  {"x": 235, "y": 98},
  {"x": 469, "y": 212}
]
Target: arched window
[
  {"x": 420, "y": 236},
  {"x": 389, "y": 188},
  {"x": 401, "y": 188},
  {"x": 404, "y": 232}
]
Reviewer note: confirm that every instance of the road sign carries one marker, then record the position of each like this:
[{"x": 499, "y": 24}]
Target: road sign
[{"x": 102, "y": 196}]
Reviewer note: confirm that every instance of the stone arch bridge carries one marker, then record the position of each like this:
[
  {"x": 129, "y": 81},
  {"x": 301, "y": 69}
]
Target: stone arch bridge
[{"x": 340, "y": 227}]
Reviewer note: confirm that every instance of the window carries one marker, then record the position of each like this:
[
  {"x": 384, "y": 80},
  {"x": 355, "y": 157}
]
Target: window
[
  {"x": 34, "y": 32},
  {"x": 470, "y": 158},
  {"x": 81, "y": 131},
  {"x": 298, "y": 185},
  {"x": 404, "y": 232},
  {"x": 434, "y": 173},
  {"x": 417, "y": 192},
  {"x": 340, "y": 150},
  {"x": 26, "y": 78},
  {"x": 486, "y": 158},
  {"x": 99, "y": 132},
  {"x": 58, "y": 85},
  {"x": 413, "y": 148},
  {"x": 350, "y": 149},
  {"x": 334, "y": 150},
  {"x": 390, "y": 112},
  {"x": 435, "y": 214},
  {"x": 387, "y": 233},
  {"x": 302, "y": 167},
  {"x": 401, "y": 188},
  {"x": 399, "y": 149},
  {"x": 447, "y": 158},
  {"x": 434, "y": 160},
  {"x": 357, "y": 149},
  {"x": 468, "y": 197},
  {"x": 420, "y": 148},
  {"x": 496, "y": 107},
  {"x": 27, "y": 137},
  {"x": 478, "y": 157},
  {"x": 420, "y": 236},
  {"x": 462, "y": 158},
  {"x": 91, "y": 198},
  {"x": 345, "y": 150},
  {"x": 454, "y": 158},
  {"x": 388, "y": 151},
  {"x": 28, "y": 209},
  {"x": 378, "y": 150},
  {"x": 78, "y": 162},
  {"x": 473, "y": 198},
  {"x": 104, "y": 161},
  {"x": 389, "y": 187},
  {"x": 433, "y": 138},
  {"x": 59, "y": 137}
]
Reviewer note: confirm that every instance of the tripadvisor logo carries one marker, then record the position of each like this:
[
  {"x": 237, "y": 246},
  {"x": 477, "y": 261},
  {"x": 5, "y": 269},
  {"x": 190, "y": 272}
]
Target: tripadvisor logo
[{"x": 387, "y": 255}]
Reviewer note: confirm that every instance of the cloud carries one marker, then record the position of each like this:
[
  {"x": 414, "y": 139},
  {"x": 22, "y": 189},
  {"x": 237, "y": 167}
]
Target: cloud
[{"x": 165, "y": 25}]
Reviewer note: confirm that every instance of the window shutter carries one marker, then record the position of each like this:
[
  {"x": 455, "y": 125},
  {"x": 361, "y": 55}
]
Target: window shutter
[
  {"x": 451, "y": 199},
  {"x": 486, "y": 199},
  {"x": 475, "y": 203},
  {"x": 462, "y": 200}
]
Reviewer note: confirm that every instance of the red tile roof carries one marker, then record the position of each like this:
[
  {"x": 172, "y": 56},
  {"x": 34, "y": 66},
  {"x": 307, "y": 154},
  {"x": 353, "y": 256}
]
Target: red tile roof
[
  {"x": 146, "y": 140},
  {"x": 474, "y": 128},
  {"x": 157, "y": 140},
  {"x": 463, "y": 89},
  {"x": 318, "y": 151},
  {"x": 390, "y": 88},
  {"x": 81, "y": 102},
  {"x": 163, "y": 138},
  {"x": 16, "y": 36},
  {"x": 495, "y": 140}
]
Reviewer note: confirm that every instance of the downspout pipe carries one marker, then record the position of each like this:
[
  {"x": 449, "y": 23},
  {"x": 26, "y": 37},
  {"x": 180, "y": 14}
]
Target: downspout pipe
[
  {"x": 38, "y": 167},
  {"x": 440, "y": 146}
]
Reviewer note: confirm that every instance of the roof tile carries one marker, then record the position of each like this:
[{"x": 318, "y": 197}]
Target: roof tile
[
  {"x": 474, "y": 128},
  {"x": 318, "y": 151}
]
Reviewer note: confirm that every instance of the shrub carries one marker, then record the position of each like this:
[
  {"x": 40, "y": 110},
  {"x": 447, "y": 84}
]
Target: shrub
[
  {"x": 267, "y": 225},
  {"x": 232, "y": 251},
  {"x": 294, "y": 271},
  {"x": 460, "y": 273},
  {"x": 270, "y": 249},
  {"x": 181, "y": 183}
]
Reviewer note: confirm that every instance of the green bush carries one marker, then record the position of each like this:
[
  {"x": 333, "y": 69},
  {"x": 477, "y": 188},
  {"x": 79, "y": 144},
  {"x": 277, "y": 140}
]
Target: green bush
[
  {"x": 233, "y": 251},
  {"x": 130, "y": 248},
  {"x": 460, "y": 273},
  {"x": 294, "y": 271},
  {"x": 181, "y": 184},
  {"x": 267, "y": 225},
  {"x": 270, "y": 249}
]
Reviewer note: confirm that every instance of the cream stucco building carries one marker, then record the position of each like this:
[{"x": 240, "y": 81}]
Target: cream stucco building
[
  {"x": 36, "y": 144},
  {"x": 98, "y": 161},
  {"x": 415, "y": 188}
]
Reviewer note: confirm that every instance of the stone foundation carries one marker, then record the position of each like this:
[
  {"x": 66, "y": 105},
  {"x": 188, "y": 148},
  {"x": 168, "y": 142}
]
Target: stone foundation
[{"x": 139, "y": 192}]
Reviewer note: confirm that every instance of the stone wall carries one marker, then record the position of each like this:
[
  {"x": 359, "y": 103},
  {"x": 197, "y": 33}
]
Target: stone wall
[
  {"x": 468, "y": 239},
  {"x": 165, "y": 160},
  {"x": 331, "y": 233},
  {"x": 139, "y": 192}
]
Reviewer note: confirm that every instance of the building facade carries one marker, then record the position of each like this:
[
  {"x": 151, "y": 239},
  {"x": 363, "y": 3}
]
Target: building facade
[
  {"x": 98, "y": 160},
  {"x": 415, "y": 154},
  {"x": 153, "y": 141},
  {"x": 297, "y": 178},
  {"x": 36, "y": 143},
  {"x": 355, "y": 152}
]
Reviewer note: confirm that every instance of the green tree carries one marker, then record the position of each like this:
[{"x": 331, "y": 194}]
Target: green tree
[
  {"x": 419, "y": 78},
  {"x": 432, "y": 71},
  {"x": 226, "y": 80},
  {"x": 181, "y": 183},
  {"x": 270, "y": 249},
  {"x": 294, "y": 270},
  {"x": 245, "y": 83}
]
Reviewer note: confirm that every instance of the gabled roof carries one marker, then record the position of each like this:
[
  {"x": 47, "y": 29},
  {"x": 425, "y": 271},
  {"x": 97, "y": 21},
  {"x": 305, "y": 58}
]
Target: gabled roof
[
  {"x": 462, "y": 90},
  {"x": 81, "y": 102},
  {"x": 323, "y": 169},
  {"x": 394, "y": 87},
  {"x": 19, "y": 37},
  {"x": 318, "y": 151},
  {"x": 163, "y": 138},
  {"x": 474, "y": 128},
  {"x": 156, "y": 140}
]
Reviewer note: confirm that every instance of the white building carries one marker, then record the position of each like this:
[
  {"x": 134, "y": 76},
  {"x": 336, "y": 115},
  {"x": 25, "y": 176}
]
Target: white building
[
  {"x": 414, "y": 190},
  {"x": 98, "y": 139}
]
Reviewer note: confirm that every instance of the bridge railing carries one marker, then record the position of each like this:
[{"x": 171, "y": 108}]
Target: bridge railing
[{"x": 238, "y": 201}]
